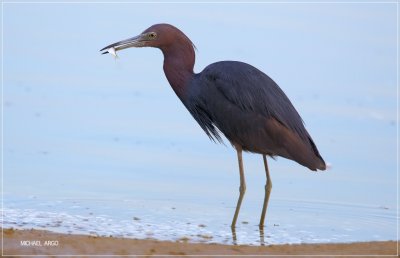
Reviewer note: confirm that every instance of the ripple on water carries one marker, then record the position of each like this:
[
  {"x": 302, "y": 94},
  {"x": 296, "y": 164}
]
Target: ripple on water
[{"x": 288, "y": 222}]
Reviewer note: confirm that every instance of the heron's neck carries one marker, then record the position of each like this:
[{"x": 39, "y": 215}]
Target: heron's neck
[{"x": 178, "y": 67}]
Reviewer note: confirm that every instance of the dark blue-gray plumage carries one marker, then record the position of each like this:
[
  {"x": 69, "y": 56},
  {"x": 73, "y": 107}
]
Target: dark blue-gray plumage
[
  {"x": 235, "y": 99},
  {"x": 247, "y": 106}
]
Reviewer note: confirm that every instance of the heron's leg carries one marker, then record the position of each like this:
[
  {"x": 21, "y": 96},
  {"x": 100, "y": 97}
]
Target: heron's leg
[
  {"x": 268, "y": 188},
  {"x": 242, "y": 188}
]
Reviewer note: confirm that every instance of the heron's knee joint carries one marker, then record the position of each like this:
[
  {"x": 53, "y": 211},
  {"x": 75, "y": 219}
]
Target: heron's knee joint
[
  {"x": 268, "y": 186},
  {"x": 242, "y": 188}
]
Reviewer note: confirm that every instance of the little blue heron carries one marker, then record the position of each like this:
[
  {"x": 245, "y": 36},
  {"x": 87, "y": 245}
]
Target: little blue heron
[{"x": 235, "y": 99}]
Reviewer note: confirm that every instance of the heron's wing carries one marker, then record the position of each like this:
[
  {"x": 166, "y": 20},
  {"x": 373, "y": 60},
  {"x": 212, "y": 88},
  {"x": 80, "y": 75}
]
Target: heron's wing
[
  {"x": 204, "y": 119},
  {"x": 252, "y": 90}
]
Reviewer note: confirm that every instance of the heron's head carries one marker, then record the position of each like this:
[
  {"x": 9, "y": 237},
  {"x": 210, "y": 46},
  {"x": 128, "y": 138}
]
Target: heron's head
[{"x": 161, "y": 36}]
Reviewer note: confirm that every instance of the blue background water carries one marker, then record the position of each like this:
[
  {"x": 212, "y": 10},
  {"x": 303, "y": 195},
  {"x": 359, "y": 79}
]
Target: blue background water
[{"x": 92, "y": 141}]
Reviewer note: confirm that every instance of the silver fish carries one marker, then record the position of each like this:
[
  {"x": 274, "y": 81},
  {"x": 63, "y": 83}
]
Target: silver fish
[{"x": 112, "y": 51}]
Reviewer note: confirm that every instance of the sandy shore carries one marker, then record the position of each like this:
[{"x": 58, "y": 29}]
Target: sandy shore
[{"x": 58, "y": 244}]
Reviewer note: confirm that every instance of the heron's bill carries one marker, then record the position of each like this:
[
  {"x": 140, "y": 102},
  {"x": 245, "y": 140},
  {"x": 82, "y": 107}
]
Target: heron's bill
[{"x": 127, "y": 43}]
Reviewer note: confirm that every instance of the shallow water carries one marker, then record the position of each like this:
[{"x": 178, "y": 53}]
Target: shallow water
[
  {"x": 291, "y": 221},
  {"x": 90, "y": 144}
]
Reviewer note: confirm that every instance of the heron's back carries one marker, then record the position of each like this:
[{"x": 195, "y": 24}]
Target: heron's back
[{"x": 250, "y": 109}]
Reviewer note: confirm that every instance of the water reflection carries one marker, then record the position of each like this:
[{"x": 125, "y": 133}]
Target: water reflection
[{"x": 288, "y": 222}]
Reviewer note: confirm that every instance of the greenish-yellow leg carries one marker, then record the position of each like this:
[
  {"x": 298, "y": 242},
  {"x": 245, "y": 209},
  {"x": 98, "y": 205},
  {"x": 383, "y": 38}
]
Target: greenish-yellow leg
[
  {"x": 242, "y": 188},
  {"x": 268, "y": 188}
]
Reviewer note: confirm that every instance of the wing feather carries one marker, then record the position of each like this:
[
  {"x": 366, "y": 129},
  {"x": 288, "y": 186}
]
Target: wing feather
[{"x": 252, "y": 90}]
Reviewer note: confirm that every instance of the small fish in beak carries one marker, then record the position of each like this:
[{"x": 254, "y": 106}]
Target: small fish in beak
[
  {"x": 112, "y": 51},
  {"x": 127, "y": 43}
]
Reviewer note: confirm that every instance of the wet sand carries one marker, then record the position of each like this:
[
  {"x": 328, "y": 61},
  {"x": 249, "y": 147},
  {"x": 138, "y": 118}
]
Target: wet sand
[{"x": 66, "y": 244}]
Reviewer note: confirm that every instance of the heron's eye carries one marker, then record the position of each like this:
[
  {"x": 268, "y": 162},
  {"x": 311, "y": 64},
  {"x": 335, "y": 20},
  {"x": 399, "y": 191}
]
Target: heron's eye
[{"x": 152, "y": 35}]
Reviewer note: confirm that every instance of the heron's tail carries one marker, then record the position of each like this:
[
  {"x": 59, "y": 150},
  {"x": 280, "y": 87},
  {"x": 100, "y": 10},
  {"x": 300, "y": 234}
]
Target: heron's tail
[{"x": 319, "y": 161}]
